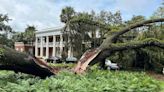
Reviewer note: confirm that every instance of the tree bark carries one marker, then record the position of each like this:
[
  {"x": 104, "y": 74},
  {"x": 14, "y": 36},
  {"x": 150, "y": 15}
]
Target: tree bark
[{"x": 21, "y": 62}]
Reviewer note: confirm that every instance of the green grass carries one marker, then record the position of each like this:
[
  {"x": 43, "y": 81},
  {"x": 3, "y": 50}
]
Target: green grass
[{"x": 92, "y": 81}]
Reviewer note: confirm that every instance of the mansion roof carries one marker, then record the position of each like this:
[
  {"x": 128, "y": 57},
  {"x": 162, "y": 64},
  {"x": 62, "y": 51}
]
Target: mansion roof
[{"x": 49, "y": 32}]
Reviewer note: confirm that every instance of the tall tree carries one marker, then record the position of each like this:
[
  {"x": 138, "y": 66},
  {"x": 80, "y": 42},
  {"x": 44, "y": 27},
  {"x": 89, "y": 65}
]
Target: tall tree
[
  {"x": 3, "y": 27},
  {"x": 66, "y": 14},
  {"x": 29, "y": 34},
  {"x": 5, "y": 31},
  {"x": 18, "y": 37}
]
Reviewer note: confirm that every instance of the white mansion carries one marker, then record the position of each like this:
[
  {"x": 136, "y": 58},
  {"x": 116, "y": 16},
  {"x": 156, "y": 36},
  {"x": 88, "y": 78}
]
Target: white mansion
[{"x": 50, "y": 42}]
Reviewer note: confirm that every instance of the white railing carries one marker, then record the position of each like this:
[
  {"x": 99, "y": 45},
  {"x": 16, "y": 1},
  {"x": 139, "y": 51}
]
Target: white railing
[
  {"x": 44, "y": 44},
  {"x": 57, "y": 44},
  {"x": 38, "y": 44},
  {"x": 50, "y": 43}
]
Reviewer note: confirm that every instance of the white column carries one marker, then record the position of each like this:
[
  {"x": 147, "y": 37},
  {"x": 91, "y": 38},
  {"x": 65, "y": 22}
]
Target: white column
[
  {"x": 41, "y": 46},
  {"x": 36, "y": 46},
  {"x": 61, "y": 44},
  {"x": 54, "y": 46},
  {"x": 47, "y": 46},
  {"x": 69, "y": 52},
  {"x": 69, "y": 49}
]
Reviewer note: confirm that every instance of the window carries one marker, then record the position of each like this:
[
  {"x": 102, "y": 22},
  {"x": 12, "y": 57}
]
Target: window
[
  {"x": 21, "y": 49},
  {"x": 17, "y": 49},
  {"x": 58, "y": 38}
]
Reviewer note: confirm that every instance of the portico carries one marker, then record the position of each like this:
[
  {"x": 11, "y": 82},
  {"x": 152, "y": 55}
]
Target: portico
[{"x": 49, "y": 43}]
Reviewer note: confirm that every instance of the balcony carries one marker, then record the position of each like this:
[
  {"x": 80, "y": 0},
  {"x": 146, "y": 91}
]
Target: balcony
[
  {"x": 50, "y": 44},
  {"x": 39, "y": 44},
  {"x": 57, "y": 44}
]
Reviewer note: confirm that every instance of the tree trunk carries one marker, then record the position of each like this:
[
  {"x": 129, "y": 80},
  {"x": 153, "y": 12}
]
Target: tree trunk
[{"x": 21, "y": 62}]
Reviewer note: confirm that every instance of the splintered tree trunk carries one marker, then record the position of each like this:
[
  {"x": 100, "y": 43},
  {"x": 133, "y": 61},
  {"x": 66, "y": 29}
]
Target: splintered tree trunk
[{"x": 21, "y": 62}]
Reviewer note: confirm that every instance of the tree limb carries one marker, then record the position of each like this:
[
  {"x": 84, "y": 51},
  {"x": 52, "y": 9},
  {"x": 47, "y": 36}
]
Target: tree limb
[
  {"x": 137, "y": 44},
  {"x": 126, "y": 29},
  {"x": 90, "y": 22},
  {"x": 125, "y": 46}
]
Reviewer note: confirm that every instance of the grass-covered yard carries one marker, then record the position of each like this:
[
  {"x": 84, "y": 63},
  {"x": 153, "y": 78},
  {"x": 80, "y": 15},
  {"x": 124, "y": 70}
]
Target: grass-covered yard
[{"x": 92, "y": 81}]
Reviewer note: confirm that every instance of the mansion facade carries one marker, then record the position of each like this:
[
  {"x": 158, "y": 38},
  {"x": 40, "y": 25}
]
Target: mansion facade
[{"x": 50, "y": 43}]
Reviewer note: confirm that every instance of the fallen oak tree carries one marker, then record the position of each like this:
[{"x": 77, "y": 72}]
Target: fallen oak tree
[
  {"x": 109, "y": 46},
  {"x": 21, "y": 62}
]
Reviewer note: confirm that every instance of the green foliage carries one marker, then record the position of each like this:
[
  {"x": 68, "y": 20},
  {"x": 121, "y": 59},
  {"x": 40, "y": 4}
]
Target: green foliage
[
  {"x": 27, "y": 37},
  {"x": 3, "y": 20},
  {"x": 150, "y": 58},
  {"x": 124, "y": 58},
  {"x": 66, "y": 14},
  {"x": 18, "y": 37},
  {"x": 81, "y": 28},
  {"x": 6, "y": 29},
  {"x": 29, "y": 34},
  {"x": 136, "y": 19},
  {"x": 1, "y": 53},
  {"x": 5, "y": 41},
  {"x": 93, "y": 81},
  {"x": 162, "y": 86}
]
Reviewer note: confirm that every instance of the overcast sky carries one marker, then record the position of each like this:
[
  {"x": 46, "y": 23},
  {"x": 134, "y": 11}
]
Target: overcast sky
[{"x": 45, "y": 13}]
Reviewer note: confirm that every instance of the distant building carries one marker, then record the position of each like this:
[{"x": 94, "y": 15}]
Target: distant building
[{"x": 21, "y": 47}]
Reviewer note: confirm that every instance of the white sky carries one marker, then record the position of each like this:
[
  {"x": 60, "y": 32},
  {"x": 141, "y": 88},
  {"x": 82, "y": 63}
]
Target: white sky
[{"x": 45, "y": 13}]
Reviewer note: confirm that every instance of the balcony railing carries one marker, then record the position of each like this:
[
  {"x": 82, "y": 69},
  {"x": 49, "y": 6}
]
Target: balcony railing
[
  {"x": 39, "y": 44},
  {"x": 57, "y": 44},
  {"x": 50, "y": 43}
]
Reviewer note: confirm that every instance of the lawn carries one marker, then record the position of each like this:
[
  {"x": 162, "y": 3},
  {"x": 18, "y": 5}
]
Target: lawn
[{"x": 92, "y": 81}]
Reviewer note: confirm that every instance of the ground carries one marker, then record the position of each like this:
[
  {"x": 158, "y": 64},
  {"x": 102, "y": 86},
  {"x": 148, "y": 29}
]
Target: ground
[
  {"x": 156, "y": 75},
  {"x": 92, "y": 81}
]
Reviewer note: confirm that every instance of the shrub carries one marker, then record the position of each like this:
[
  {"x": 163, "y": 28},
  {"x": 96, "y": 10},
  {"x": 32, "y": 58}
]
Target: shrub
[{"x": 94, "y": 80}]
